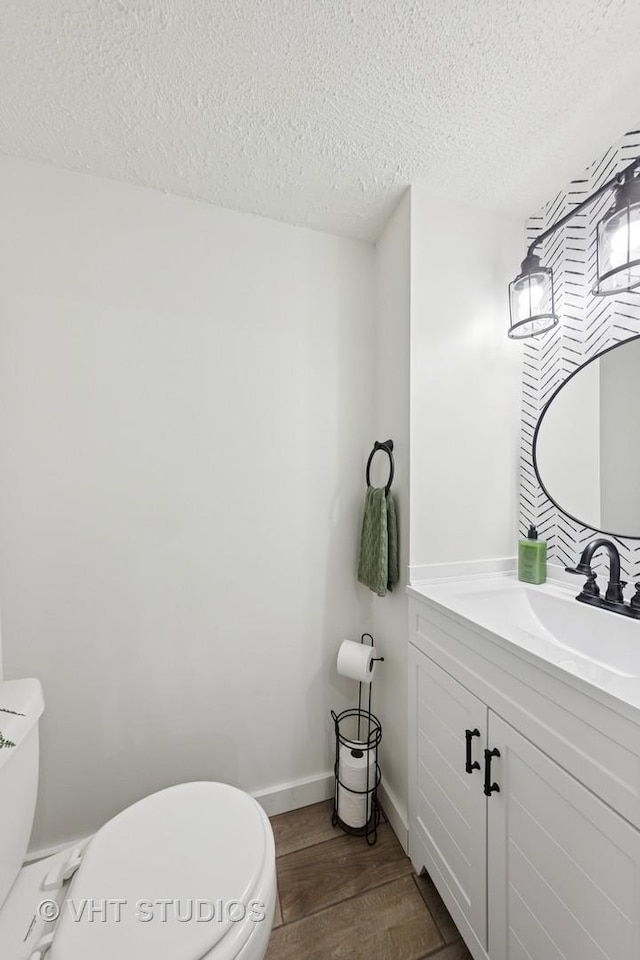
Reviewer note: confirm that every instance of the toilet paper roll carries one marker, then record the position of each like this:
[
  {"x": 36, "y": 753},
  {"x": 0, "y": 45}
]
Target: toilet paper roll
[
  {"x": 356, "y": 660},
  {"x": 356, "y": 771}
]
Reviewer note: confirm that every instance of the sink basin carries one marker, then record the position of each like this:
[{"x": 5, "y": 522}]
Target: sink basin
[
  {"x": 596, "y": 645},
  {"x": 612, "y": 646}
]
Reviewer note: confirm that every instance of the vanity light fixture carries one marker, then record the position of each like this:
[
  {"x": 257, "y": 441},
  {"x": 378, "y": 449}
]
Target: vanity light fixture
[
  {"x": 531, "y": 300},
  {"x": 619, "y": 242},
  {"x": 531, "y": 296}
]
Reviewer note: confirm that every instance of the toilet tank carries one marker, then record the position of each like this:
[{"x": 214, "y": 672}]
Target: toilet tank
[{"x": 21, "y": 704}]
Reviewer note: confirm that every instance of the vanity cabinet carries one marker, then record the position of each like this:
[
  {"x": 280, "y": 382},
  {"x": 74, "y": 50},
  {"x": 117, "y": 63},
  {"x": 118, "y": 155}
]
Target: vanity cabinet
[{"x": 538, "y": 867}]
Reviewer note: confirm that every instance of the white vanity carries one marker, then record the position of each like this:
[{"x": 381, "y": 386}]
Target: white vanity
[{"x": 547, "y": 866}]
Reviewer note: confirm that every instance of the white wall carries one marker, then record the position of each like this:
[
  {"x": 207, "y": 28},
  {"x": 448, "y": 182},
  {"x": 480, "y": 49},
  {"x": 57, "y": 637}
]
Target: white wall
[
  {"x": 186, "y": 405},
  {"x": 390, "y": 624},
  {"x": 448, "y": 391},
  {"x": 465, "y": 382}
]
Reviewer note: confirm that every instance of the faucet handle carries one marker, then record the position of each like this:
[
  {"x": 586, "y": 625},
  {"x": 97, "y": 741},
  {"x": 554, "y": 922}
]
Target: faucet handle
[
  {"x": 591, "y": 588},
  {"x": 614, "y": 592}
]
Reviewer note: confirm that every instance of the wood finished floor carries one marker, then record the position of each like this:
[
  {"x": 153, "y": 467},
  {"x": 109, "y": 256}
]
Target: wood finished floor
[{"x": 339, "y": 899}]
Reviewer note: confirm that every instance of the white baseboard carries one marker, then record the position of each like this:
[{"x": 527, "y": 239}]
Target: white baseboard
[
  {"x": 281, "y": 799},
  {"x": 396, "y": 816},
  {"x": 302, "y": 793},
  {"x": 42, "y": 852},
  {"x": 297, "y": 793},
  {"x": 274, "y": 800}
]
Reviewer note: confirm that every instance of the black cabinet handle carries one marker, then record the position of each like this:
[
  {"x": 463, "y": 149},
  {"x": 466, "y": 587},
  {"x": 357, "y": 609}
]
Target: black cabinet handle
[
  {"x": 469, "y": 766},
  {"x": 489, "y": 787}
]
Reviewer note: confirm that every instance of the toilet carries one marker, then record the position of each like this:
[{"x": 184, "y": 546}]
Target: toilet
[{"x": 187, "y": 873}]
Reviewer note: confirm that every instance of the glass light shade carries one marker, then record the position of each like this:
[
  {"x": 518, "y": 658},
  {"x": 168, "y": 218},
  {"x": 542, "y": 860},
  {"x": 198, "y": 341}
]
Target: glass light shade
[
  {"x": 619, "y": 244},
  {"x": 531, "y": 303}
]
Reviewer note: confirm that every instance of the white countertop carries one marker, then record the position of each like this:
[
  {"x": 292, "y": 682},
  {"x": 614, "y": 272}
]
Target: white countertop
[{"x": 595, "y": 650}]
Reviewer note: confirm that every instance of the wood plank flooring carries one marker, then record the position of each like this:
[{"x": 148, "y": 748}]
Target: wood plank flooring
[{"x": 340, "y": 899}]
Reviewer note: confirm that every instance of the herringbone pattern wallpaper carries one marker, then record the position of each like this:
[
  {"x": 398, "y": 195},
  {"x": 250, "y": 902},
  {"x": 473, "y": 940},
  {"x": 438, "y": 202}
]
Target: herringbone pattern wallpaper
[{"x": 587, "y": 325}]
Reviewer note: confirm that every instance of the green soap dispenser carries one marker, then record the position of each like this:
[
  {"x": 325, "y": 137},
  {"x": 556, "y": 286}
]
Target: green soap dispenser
[{"x": 532, "y": 558}]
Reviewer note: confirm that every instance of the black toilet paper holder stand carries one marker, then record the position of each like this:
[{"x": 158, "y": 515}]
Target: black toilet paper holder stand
[{"x": 359, "y": 731}]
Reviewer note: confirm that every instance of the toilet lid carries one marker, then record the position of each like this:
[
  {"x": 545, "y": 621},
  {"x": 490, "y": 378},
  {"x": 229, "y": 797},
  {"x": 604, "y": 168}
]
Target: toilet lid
[{"x": 171, "y": 874}]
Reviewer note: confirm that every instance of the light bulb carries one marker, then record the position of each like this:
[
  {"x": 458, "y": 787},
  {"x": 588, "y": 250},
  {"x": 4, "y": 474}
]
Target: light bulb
[
  {"x": 625, "y": 242},
  {"x": 530, "y": 298}
]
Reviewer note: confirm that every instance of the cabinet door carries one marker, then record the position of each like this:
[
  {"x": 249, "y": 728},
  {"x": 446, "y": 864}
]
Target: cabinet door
[
  {"x": 564, "y": 869},
  {"x": 447, "y": 816}
]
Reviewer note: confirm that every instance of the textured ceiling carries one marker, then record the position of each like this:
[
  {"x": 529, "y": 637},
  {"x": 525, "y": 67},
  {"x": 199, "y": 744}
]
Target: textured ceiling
[{"x": 320, "y": 112}]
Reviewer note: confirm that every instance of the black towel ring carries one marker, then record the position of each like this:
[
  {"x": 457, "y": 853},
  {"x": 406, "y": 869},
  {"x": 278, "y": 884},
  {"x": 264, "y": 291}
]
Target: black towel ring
[{"x": 387, "y": 446}]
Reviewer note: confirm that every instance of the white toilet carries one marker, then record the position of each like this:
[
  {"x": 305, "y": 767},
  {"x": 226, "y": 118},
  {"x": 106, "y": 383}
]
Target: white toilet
[{"x": 184, "y": 874}]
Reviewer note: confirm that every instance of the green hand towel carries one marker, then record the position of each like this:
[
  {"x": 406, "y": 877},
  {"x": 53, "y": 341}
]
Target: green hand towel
[
  {"x": 392, "y": 535},
  {"x": 378, "y": 559}
]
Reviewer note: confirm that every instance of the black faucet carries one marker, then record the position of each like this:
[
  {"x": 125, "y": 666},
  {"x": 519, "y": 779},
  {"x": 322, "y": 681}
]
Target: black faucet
[{"x": 613, "y": 599}]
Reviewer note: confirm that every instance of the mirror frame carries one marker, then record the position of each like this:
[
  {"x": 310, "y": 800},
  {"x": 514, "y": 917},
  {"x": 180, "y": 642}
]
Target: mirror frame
[{"x": 534, "y": 442}]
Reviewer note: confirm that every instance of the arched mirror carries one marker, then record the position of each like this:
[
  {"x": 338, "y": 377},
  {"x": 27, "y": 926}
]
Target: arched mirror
[{"x": 586, "y": 446}]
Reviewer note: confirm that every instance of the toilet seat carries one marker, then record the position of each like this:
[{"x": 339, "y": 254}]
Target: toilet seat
[{"x": 173, "y": 859}]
